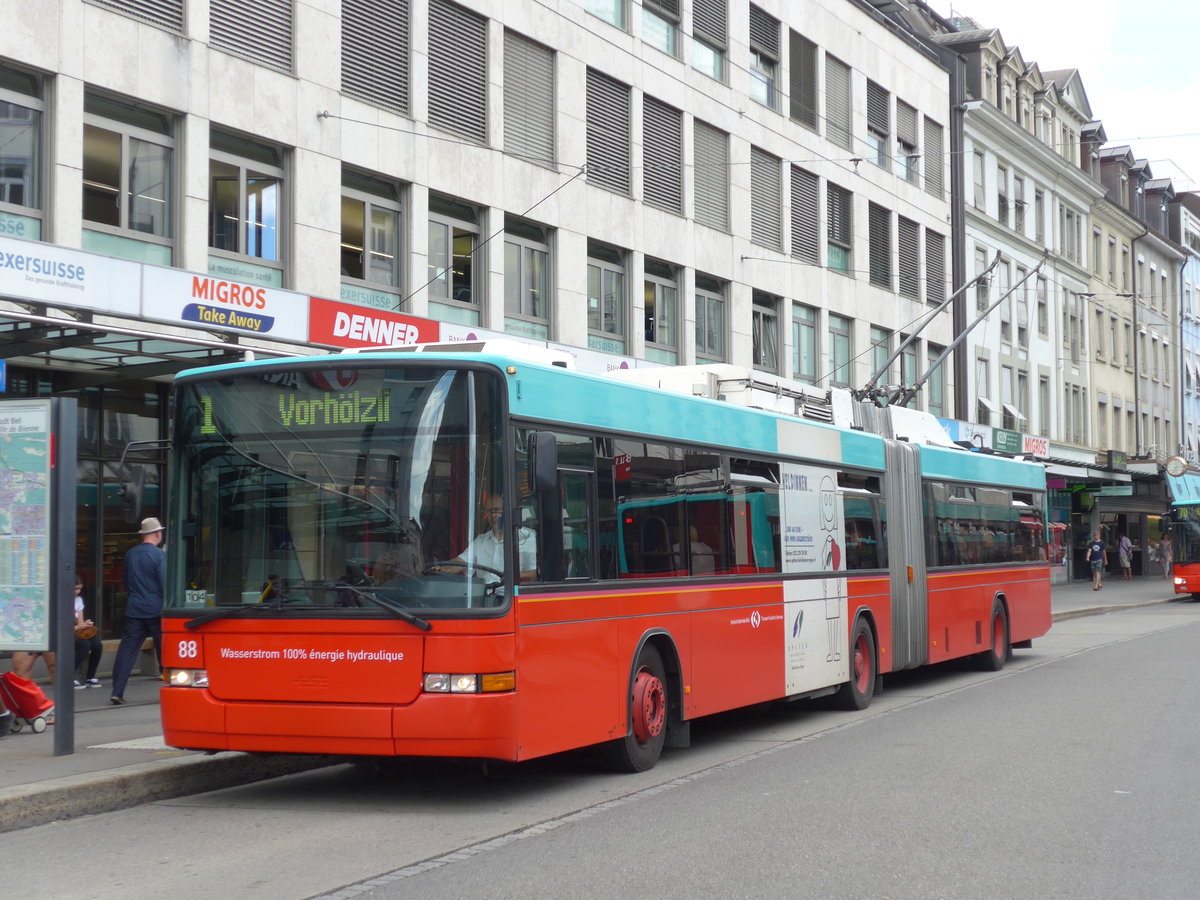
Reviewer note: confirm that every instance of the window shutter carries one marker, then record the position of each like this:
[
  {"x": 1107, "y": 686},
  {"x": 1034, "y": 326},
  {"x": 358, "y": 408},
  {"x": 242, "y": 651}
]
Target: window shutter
[
  {"x": 838, "y": 213},
  {"x": 662, "y": 155},
  {"x": 879, "y": 233},
  {"x": 457, "y": 70},
  {"x": 878, "y": 115},
  {"x": 166, "y": 14},
  {"x": 375, "y": 52},
  {"x": 932, "y": 154},
  {"x": 837, "y": 102},
  {"x": 669, "y": 7},
  {"x": 708, "y": 22},
  {"x": 766, "y": 199},
  {"x": 528, "y": 99},
  {"x": 607, "y": 132},
  {"x": 712, "y": 176},
  {"x": 806, "y": 216},
  {"x": 262, "y": 33},
  {"x": 764, "y": 32},
  {"x": 803, "y": 79},
  {"x": 908, "y": 239},
  {"x": 906, "y": 123},
  {"x": 935, "y": 267}
]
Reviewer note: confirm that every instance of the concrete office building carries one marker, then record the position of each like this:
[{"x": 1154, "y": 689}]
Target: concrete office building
[{"x": 650, "y": 183}]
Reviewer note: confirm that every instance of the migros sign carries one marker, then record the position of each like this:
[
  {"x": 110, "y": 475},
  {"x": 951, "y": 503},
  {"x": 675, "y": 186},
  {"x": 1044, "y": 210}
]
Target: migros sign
[{"x": 228, "y": 292}]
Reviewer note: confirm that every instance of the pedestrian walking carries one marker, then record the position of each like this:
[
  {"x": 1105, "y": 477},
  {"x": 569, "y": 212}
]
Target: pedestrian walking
[
  {"x": 1097, "y": 557},
  {"x": 1125, "y": 557},
  {"x": 1166, "y": 555},
  {"x": 145, "y": 577}
]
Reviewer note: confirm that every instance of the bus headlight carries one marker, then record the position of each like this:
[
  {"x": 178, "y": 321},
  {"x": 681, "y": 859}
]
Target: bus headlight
[
  {"x": 187, "y": 678},
  {"x": 449, "y": 683}
]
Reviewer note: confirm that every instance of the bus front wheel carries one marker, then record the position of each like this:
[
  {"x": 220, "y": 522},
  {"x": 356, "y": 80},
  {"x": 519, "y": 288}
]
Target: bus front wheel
[
  {"x": 858, "y": 691},
  {"x": 647, "y": 726}
]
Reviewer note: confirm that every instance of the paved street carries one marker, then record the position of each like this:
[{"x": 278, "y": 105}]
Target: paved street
[{"x": 993, "y": 766}]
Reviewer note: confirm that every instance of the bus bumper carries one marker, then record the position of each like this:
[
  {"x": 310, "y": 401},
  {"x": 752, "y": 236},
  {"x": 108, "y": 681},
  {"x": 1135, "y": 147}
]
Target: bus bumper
[{"x": 459, "y": 725}]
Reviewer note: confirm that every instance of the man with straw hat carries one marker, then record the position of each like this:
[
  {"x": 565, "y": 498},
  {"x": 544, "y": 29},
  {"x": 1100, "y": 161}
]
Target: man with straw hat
[{"x": 145, "y": 577}]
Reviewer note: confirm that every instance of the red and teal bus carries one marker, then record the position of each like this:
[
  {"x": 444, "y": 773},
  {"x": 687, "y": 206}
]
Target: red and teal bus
[
  {"x": 476, "y": 555},
  {"x": 1184, "y": 517}
]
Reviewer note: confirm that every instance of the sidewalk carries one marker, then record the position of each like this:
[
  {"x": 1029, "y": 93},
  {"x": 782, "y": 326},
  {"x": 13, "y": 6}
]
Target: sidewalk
[{"x": 120, "y": 759}]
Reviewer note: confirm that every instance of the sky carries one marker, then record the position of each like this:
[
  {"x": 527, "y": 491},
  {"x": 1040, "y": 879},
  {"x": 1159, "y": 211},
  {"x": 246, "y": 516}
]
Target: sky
[{"x": 1139, "y": 61}]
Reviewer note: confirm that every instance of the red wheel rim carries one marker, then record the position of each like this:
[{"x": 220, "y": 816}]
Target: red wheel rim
[
  {"x": 862, "y": 664},
  {"x": 649, "y": 705}
]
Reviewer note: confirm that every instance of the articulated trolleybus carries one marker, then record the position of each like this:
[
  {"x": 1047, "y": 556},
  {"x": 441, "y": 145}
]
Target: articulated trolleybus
[{"x": 471, "y": 554}]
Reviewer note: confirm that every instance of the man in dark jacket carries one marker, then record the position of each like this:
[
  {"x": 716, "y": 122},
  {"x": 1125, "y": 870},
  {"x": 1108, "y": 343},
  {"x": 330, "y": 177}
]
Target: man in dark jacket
[{"x": 145, "y": 576}]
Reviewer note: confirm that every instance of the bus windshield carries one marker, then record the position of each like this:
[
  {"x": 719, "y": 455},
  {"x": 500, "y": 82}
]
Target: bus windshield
[
  {"x": 345, "y": 489},
  {"x": 1185, "y": 537}
]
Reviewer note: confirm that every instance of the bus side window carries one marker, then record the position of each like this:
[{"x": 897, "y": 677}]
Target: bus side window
[{"x": 577, "y": 554}]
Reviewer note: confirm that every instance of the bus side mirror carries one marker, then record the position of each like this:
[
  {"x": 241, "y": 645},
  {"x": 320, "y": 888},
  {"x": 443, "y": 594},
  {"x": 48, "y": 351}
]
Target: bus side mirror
[
  {"x": 130, "y": 494},
  {"x": 543, "y": 462}
]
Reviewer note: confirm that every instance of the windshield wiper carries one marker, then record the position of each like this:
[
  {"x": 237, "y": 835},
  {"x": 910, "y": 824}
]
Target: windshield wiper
[
  {"x": 228, "y": 611},
  {"x": 394, "y": 608}
]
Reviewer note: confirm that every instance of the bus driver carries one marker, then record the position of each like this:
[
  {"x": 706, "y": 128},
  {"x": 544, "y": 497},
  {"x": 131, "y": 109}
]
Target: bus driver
[{"x": 487, "y": 549}]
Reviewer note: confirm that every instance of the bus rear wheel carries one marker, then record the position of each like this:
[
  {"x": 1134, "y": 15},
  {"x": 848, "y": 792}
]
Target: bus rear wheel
[
  {"x": 858, "y": 691},
  {"x": 641, "y": 747},
  {"x": 993, "y": 659}
]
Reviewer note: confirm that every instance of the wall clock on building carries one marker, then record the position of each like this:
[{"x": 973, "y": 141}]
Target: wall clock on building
[{"x": 1176, "y": 466}]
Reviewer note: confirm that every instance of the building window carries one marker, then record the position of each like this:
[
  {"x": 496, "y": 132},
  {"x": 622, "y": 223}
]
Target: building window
[
  {"x": 908, "y": 243},
  {"x": 606, "y": 298},
  {"x": 245, "y": 201},
  {"x": 528, "y": 99},
  {"x": 931, "y": 153},
  {"x": 1039, "y": 216},
  {"x": 804, "y": 343},
  {"x": 370, "y": 231},
  {"x": 837, "y": 103},
  {"x": 526, "y": 278},
  {"x": 1022, "y": 307},
  {"x": 983, "y": 404},
  {"x": 766, "y": 199},
  {"x": 607, "y": 132},
  {"x": 127, "y": 180},
  {"x": 881, "y": 349},
  {"x": 611, "y": 11},
  {"x": 935, "y": 267},
  {"x": 879, "y": 239},
  {"x": 1044, "y": 405},
  {"x": 806, "y": 216},
  {"x": 879, "y": 120},
  {"x": 839, "y": 234},
  {"x": 1043, "y": 309},
  {"x": 662, "y": 155},
  {"x": 1002, "y": 195},
  {"x": 982, "y": 285},
  {"x": 764, "y": 56},
  {"x": 841, "y": 350},
  {"x": 660, "y": 25},
  {"x": 661, "y": 311},
  {"x": 20, "y": 154},
  {"x": 709, "y": 37},
  {"x": 711, "y": 176},
  {"x": 906, "y": 142},
  {"x": 710, "y": 318},
  {"x": 1019, "y": 203},
  {"x": 1009, "y": 415},
  {"x": 935, "y": 386},
  {"x": 375, "y": 52},
  {"x": 908, "y": 361},
  {"x": 765, "y": 332},
  {"x": 261, "y": 32},
  {"x": 802, "y": 79},
  {"x": 1003, "y": 276},
  {"x": 977, "y": 174},
  {"x": 458, "y": 71},
  {"x": 453, "y": 240}
]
